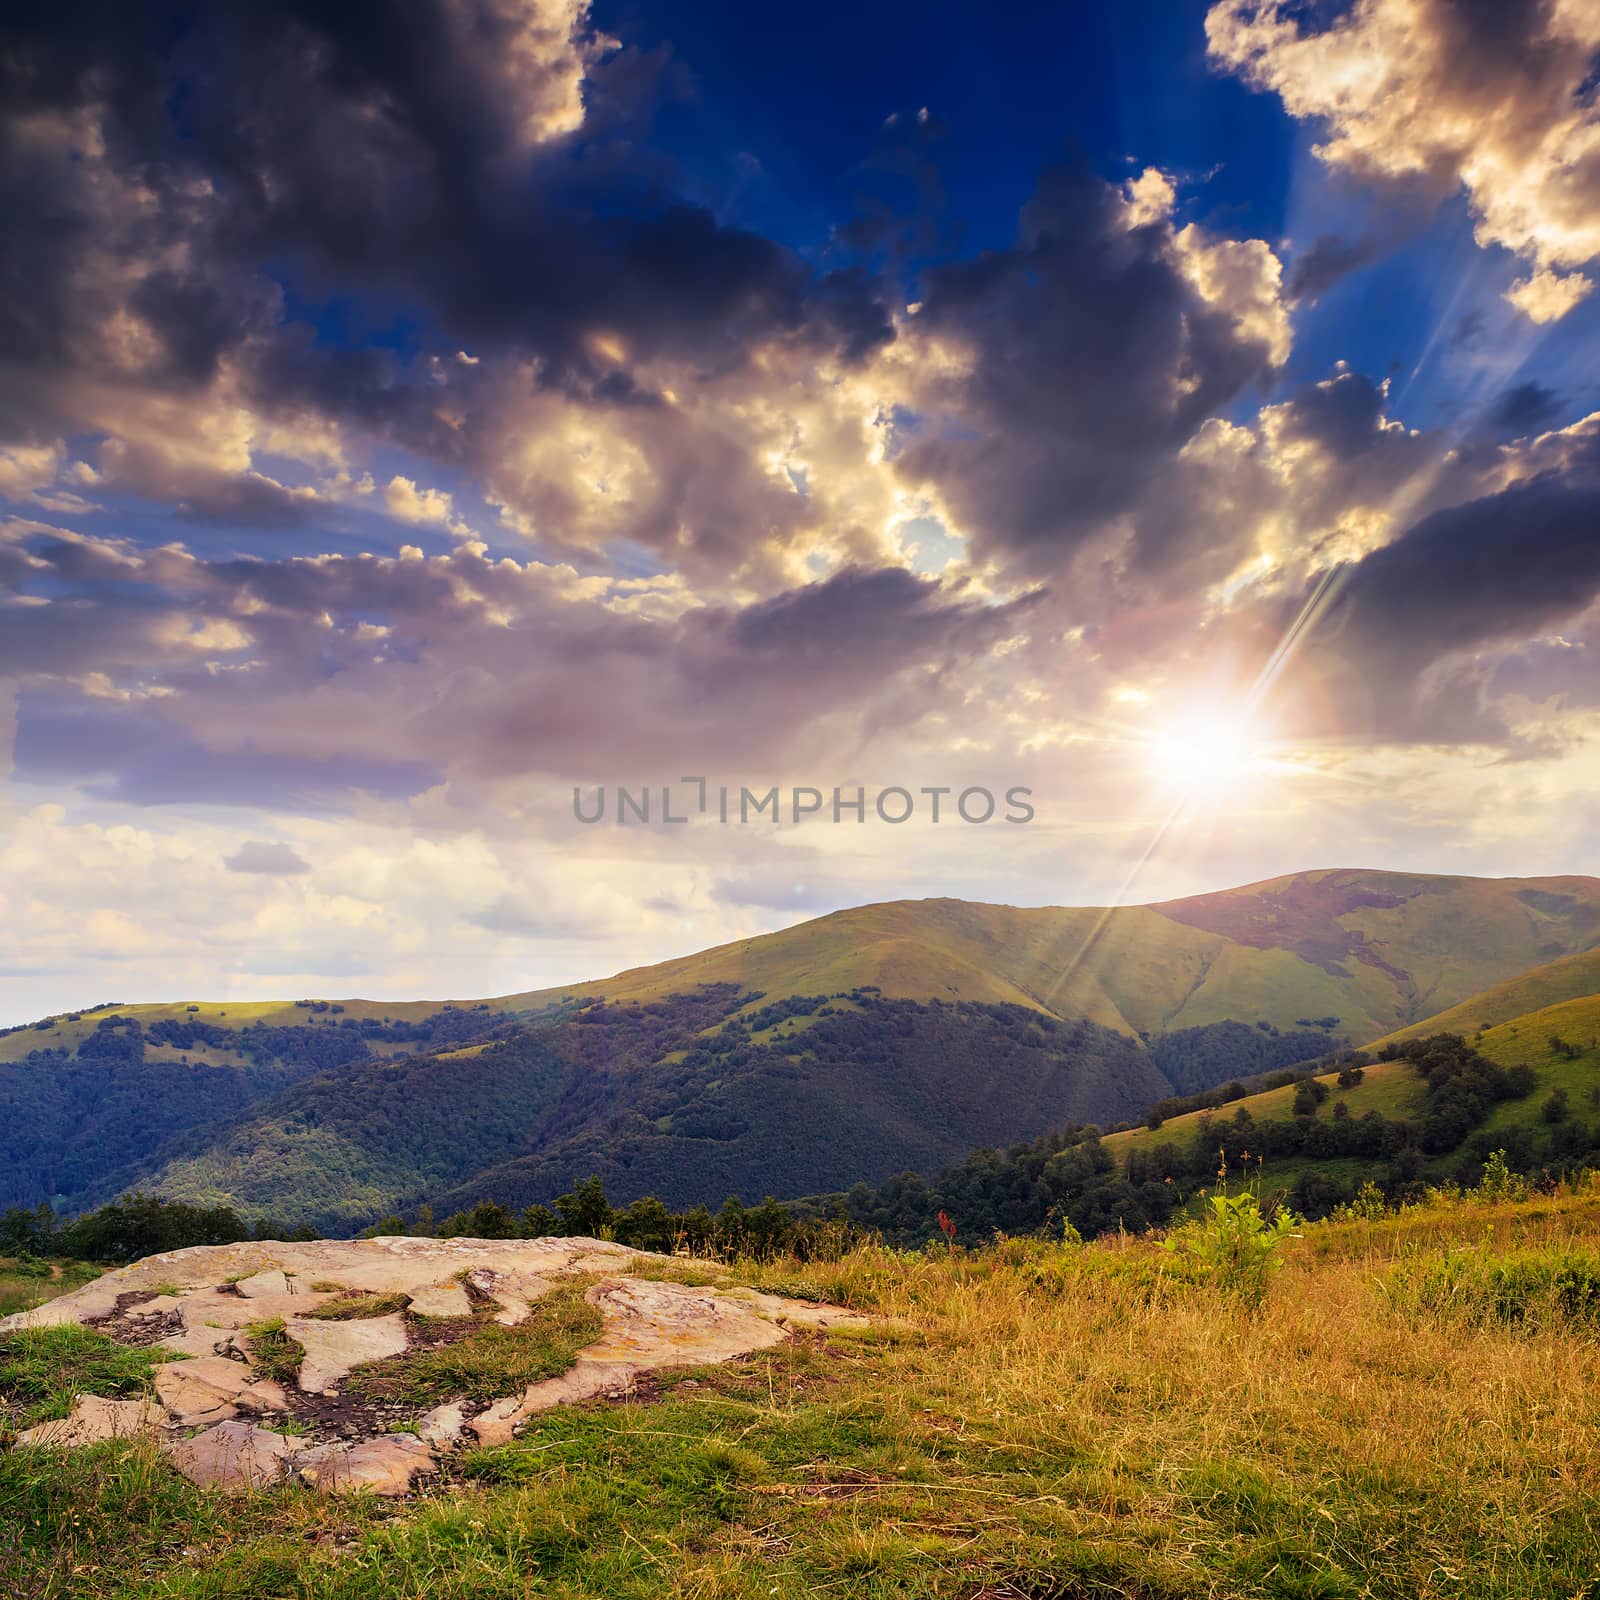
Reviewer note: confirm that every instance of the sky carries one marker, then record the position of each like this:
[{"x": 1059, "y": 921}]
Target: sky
[{"x": 416, "y": 425}]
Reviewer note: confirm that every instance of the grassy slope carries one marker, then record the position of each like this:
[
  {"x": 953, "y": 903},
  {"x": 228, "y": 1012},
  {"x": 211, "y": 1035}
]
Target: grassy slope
[
  {"x": 1573, "y": 977},
  {"x": 1134, "y": 968},
  {"x": 1051, "y": 1424},
  {"x": 1394, "y": 1089}
]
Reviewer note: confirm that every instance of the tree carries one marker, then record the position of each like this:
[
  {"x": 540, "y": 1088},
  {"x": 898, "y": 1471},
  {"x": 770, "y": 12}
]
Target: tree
[{"x": 586, "y": 1211}]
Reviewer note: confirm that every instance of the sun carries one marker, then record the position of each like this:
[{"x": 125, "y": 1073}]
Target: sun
[{"x": 1205, "y": 755}]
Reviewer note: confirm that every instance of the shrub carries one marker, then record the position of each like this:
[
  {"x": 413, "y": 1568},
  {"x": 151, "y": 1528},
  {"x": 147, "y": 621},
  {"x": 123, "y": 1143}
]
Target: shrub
[
  {"x": 1234, "y": 1246},
  {"x": 1530, "y": 1288}
]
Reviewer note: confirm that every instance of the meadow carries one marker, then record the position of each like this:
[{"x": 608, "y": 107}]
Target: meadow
[{"x": 1407, "y": 1408}]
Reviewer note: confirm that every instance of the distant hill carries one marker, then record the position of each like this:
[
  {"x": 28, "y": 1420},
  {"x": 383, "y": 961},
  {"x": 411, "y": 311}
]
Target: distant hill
[
  {"x": 848, "y": 1047},
  {"x": 1574, "y": 977}
]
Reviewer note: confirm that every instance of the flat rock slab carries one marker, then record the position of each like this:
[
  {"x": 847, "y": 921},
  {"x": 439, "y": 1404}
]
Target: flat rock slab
[
  {"x": 260, "y": 1285},
  {"x": 380, "y": 1265},
  {"x": 162, "y": 1306},
  {"x": 332, "y": 1349},
  {"x": 214, "y": 1389},
  {"x": 234, "y": 1457},
  {"x": 442, "y": 1427},
  {"x": 92, "y": 1420},
  {"x": 649, "y": 1325},
  {"x": 218, "y": 1291},
  {"x": 441, "y": 1300},
  {"x": 386, "y": 1465}
]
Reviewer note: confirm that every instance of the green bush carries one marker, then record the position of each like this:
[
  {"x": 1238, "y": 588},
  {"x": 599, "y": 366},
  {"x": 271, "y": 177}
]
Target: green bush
[
  {"x": 1233, "y": 1245},
  {"x": 1528, "y": 1288}
]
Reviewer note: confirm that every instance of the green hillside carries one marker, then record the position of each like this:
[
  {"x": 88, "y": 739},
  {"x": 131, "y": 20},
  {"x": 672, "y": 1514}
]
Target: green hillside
[
  {"x": 315, "y": 1109},
  {"x": 1574, "y": 977}
]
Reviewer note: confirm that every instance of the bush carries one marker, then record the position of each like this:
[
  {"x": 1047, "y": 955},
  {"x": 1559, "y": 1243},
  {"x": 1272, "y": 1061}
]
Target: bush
[
  {"x": 1531, "y": 1288},
  {"x": 1234, "y": 1246}
]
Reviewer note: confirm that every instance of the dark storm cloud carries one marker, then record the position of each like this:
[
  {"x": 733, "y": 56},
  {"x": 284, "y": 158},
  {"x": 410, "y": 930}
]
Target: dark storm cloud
[
  {"x": 1328, "y": 261},
  {"x": 138, "y": 756},
  {"x": 1408, "y": 646},
  {"x": 437, "y": 163},
  {"x": 1496, "y": 569},
  {"x": 1524, "y": 407},
  {"x": 285, "y": 682},
  {"x": 1093, "y": 358},
  {"x": 1344, "y": 415}
]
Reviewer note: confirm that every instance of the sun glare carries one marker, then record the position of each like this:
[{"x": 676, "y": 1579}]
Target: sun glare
[{"x": 1203, "y": 756}]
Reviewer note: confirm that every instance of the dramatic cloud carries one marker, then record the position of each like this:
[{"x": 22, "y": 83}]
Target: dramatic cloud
[
  {"x": 1496, "y": 97},
  {"x": 395, "y": 435},
  {"x": 1049, "y": 380}
]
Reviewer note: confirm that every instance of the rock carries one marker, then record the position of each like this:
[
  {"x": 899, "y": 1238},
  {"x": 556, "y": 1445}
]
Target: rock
[
  {"x": 213, "y": 1389},
  {"x": 260, "y": 1284},
  {"x": 441, "y": 1300},
  {"x": 199, "y": 1342},
  {"x": 385, "y": 1465},
  {"x": 515, "y": 1292},
  {"x": 333, "y": 1348},
  {"x": 162, "y": 1306},
  {"x": 798, "y": 1313},
  {"x": 442, "y": 1427},
  {"x": 234, "y": 1457},
  {"x": 647, "y": 1325},
  {"x": 93, "y": 1419}
]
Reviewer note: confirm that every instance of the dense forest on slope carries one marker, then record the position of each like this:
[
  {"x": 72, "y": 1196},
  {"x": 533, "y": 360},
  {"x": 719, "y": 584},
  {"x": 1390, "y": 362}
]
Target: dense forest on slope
[
  {"x": 83, "y": 1120},
  {"x": 335, "y": 1109},
  {"x": 1316, "y": 1157},
  {"x": 869, "y": 1086},
  {"x": 677, "y": 1097}
]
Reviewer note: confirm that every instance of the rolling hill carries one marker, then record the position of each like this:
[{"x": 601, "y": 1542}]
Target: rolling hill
[{"x": 889, "y": 1036}]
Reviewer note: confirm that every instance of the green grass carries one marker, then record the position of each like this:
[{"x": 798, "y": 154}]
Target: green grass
[
  {"x": 273, "y": 1354},
  {"x": 42, "y": 1368},
  {"x": 358, "y": 1303},
  {"x": 1573, "y": 977},
  {"x": 28, "y": 1282},
  {"x": 1391, "y": 1088},
  {"x": 1063, "y": 1423},
  {"x": 492, "y": 1360}
]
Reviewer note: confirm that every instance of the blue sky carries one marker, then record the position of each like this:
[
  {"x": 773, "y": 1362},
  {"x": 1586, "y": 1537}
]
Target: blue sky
[{"x": 1184, "y": 410}]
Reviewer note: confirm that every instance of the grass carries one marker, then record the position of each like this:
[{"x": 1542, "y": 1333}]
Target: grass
[
  {"x": 492, "y": 1360},
  {"x": 273, "y": 1354},
  {"x": 28, "y": 1281},
  {"x": 1057, "y": 1422},
  {"x": 41, "y": 1369},
  {"x": 357, "y": 1303}
]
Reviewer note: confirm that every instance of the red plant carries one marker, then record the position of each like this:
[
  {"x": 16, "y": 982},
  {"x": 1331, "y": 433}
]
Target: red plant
[{"x": 948, "y": 1229}]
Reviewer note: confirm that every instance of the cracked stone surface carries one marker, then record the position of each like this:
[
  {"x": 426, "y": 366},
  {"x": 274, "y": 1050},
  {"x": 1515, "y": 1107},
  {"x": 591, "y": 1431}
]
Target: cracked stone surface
[
  {"x": 234, "y": 1457},
  {"x": 334, "y": 1349},
  {"x": 443, "y": 1426},
  {"x": 441, "y": 1300},
  {"x": 387, "y": 1465},
  {"x": 647, "y": 1325},
  {"x": 93, "y": 1419},
  {"x": 214, "y": 1389},
  {"x": 217, "y": 1291}
]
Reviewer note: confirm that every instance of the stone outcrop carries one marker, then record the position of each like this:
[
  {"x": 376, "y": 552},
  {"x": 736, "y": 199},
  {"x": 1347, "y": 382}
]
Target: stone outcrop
[
  {"x": 235, "y": 1457},
  {"x": 209, "y": 1405},
  {"x": 388, "y": 1465},
  {"x": 92, "y": 1420},
  {"x": 334, "y": 1349}
]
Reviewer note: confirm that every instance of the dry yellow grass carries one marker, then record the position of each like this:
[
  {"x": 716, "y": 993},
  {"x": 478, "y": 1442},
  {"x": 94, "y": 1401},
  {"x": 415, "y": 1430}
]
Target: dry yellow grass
[{"x": 1027, "y": 1420}]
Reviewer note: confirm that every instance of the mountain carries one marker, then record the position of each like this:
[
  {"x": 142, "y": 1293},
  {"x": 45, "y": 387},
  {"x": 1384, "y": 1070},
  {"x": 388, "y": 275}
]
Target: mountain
[
  {"x": 847, "y": 1048},
  {"x": 1572, "y": 978}
]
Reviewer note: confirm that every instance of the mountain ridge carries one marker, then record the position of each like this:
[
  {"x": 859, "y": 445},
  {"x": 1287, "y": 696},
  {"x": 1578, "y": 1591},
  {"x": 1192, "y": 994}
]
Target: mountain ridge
[{"x": 723, "y": 1061}]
